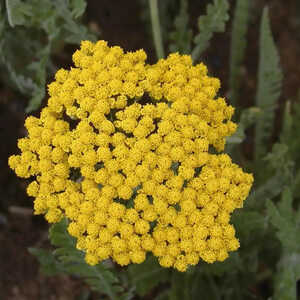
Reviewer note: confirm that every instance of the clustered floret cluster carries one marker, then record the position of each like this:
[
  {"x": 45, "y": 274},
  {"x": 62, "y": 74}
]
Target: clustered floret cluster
[{"x": 122, "y": 151}]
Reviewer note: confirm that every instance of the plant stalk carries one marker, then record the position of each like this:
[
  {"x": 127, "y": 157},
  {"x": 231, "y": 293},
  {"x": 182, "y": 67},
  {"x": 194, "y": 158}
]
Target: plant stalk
[
  {"x": 196, "y": 53},
  {"x": 156, "y": 29}
]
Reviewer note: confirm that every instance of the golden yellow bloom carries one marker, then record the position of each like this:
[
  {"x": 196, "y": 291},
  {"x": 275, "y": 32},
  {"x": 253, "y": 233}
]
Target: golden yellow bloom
[{"x": 134, "y": 178}]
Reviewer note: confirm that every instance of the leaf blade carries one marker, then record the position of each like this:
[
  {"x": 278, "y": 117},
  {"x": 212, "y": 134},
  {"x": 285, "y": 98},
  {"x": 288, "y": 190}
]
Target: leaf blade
[
  {"x": 269, "y": 86},
  {"x": 214, "y": 21}
]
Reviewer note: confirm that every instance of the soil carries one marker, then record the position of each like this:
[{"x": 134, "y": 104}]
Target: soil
[{"x": 120, "y": 23}]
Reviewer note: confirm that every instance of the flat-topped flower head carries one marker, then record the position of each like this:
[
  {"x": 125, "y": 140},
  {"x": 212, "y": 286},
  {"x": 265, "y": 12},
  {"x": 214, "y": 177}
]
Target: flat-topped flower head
[{"x": 123, "y": 150}]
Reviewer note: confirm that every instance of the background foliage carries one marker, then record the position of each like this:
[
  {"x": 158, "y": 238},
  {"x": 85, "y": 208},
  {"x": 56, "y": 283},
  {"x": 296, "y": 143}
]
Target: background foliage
[
  {"x": 267, "y": 265},
  {"x": 30, "y": 32}
]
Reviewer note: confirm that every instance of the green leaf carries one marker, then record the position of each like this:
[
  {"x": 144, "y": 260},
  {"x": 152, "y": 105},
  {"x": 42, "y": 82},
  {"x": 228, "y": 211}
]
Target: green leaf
[
  {"x": 39, "y": 28},
  {"x": 279, "y": 158},
  {"x": 24, "y": 84},
  {"x": 201, "y": 284},
  {"x": 181, "y": 285},
  {"x": 249, "y": 117},
  {"x": 68, "y": 260},
  {"x": 285, "y": 206},
  {"x": 78, "y": 8},
  {"x": 36, "y": 100},
  {"x": 237, "y": 47},
  {"x": 278, "y": 174},
  {"x": 284, "y": 219},
  {"x": 147, "y": 275},
  {"x": 72, "y": 31},
  {"x": 128, "y": 295},
  {"x": 232, "y": 264},
  {"x": 17, "y": 12},
  {"x": 214, "y": 21},
  {"x": 28, "y": 13},
  {"x": 269, "y": 86},
  {"x": 246, "y": 222},
  {"x": 40, "y": 70},
  {"x": 98, "y": 277},
  {"x": 59, "y": 236},
  {"x": 181, "y": 37},
  {"x": 270, "y": 189},
  {"x": 48, "y": 263},
  {"x": 288, "y": 273}
]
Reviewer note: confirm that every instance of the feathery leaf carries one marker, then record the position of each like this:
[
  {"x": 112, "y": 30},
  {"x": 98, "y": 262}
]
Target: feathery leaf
[
  {"x": 147, "y": 275},
  {"x": 69, "y": 260},
  {"x": 285, "y": 220},
  {"x": 248, "y": 117},
  {"x": 38, "y": 27},
  {"x": 277, "y": 175},
  {"x": 214, "y": 21},
  {"x": 269, "y": 86},
  {"x": 181, "y": 37}
]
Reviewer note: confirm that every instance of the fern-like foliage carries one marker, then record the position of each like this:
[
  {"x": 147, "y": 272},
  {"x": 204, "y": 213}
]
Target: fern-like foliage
[
  {"x": 290, "y": 132},
  {"x": 66, "y": 259},
  {"x": 290, "y": 135},
  {"x": 181, "y": 37},
  {"x": 278, "y": 173},
  {"x": 214, "y": 21},
  {"x": 30, "y": 31},
  {"x": 146, "y": 276},
  {"x": 248, "y": 117},
  {"x": 269, "y": 86},
  {"x": 287, "y": 224},
  {"x": 238, "y": 46}
]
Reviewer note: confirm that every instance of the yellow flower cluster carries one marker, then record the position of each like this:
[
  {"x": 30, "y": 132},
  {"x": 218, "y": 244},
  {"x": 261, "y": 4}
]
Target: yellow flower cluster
[{"x": 123, "y": 151}]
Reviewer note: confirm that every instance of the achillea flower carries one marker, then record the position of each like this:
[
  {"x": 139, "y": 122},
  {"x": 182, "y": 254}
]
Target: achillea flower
[{"x": 134, "y": 178}]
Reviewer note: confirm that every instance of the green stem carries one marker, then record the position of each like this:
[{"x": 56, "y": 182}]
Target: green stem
[
  {"x": 156, "y": 29},
  {"x": 196, "y": 52}
]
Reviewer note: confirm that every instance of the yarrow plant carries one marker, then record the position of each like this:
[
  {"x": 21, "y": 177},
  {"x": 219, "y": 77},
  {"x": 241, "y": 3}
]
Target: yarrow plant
[
  {"x": 128, "y": 163},
  {"x": 125, "y": 151}
]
